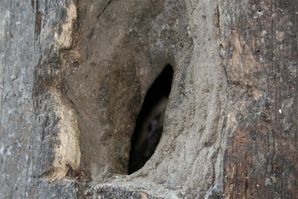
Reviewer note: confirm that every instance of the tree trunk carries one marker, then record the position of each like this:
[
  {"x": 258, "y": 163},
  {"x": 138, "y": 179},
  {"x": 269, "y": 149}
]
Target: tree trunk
[{"x": 74, "y": 76}]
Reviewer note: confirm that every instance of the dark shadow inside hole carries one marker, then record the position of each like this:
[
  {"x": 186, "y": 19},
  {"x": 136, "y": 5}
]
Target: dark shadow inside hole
[{"x": 149, "y": 123}]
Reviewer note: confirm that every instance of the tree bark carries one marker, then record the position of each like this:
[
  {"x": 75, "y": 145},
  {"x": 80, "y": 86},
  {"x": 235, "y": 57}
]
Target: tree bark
[{"x": 74, "y": 75}]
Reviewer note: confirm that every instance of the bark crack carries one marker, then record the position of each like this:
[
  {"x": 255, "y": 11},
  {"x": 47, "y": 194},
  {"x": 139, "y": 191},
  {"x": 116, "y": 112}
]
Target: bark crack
[{"x": 104, "y": 9}]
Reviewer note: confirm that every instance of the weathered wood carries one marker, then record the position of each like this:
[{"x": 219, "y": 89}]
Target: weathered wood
[
  {"x": 261, "y": 158},
  {"x": 74, "y": 74}
]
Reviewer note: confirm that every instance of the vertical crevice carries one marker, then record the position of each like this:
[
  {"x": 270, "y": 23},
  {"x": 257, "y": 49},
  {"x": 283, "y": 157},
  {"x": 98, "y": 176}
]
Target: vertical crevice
[{"x": 149, "y": 123}]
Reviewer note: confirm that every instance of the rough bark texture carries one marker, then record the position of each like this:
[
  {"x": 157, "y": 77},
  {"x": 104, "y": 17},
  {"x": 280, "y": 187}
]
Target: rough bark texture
[{"x": 74, "y": 74}]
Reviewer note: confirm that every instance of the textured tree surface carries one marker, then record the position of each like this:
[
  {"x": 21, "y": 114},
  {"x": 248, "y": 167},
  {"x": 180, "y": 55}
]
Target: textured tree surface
[{"x": 74, "y": 74}]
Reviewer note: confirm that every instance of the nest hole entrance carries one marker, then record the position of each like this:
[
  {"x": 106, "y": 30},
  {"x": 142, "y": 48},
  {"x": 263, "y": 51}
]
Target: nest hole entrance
[{"x": 149, "y": 123}]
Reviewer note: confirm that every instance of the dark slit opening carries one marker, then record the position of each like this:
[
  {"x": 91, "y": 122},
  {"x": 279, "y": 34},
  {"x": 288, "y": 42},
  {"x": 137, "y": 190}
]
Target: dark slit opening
[{"x": 149, "y": 123}]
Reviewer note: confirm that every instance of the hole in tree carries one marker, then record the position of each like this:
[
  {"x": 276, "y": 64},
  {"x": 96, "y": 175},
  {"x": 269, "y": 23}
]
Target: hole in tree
[{"x": 149, "y": 123}]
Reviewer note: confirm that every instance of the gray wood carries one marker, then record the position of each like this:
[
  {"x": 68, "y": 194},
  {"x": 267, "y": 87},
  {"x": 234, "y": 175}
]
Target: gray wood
[{"x": 74, "y": 74}]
